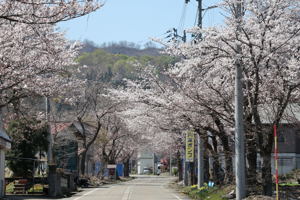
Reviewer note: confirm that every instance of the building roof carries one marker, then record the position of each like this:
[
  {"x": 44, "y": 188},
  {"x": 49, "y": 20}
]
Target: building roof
[
  {"x": 58, "y": 127},
  {"x": 4, "y": 136},
  {"x": 291, "y": 114}
]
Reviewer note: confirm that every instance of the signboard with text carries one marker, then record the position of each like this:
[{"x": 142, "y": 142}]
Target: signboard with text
[{"x": 189, "y": 146}]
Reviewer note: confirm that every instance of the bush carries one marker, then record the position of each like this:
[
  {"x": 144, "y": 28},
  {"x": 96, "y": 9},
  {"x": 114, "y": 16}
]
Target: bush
[
  {"x": 10, "y": 187},
  {"x": 29, "y": 137},
  {"x": 175, "y": 171},
  {"x": 205, "y": 192}
]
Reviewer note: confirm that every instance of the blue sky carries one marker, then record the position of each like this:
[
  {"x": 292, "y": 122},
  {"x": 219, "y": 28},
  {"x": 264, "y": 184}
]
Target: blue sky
[{"x": 137, "y": 20}]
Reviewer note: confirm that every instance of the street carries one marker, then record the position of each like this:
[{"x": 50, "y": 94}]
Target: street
[{"x": 141, "y": 188}]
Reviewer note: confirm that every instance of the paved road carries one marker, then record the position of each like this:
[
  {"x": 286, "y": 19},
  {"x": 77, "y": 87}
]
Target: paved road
[{"x": 141, "y": 188}]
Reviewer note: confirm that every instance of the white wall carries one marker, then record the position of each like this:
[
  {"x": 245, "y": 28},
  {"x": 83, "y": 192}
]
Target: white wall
[
  {"x": 144, "y": 162},
  {"x": 144, "y": 159}
]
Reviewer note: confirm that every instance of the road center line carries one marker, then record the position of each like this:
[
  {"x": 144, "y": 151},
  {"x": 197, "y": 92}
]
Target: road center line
[{"x": 87, "y": 193}]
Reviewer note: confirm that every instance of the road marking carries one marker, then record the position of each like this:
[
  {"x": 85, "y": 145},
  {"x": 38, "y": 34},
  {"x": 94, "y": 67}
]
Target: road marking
[
  {"x": 126, "y": 194},
  {"x": 177, "y": 197},
  {"x": 87, "y": 193},
  {"x": 170, "y": 191}
]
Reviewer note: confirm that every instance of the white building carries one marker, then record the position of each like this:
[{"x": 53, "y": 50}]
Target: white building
[
  {"x": 5, "y": 144},
  {"x": 145, "y": 159}
]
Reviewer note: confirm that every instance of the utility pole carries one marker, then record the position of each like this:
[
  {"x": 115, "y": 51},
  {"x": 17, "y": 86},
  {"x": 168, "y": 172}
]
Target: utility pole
[
  {"x": 200, "y": 152},
  {"x": 200, "y": 155},
  {"x": 49, "y": 153},
  {"x": 170, "y": 163},
  {"x": 239, "y": 122},
  {"x": 200, "y": 19}
]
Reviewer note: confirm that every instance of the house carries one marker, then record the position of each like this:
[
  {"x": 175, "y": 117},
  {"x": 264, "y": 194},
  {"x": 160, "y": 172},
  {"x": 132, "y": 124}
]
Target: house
[
  {"x": 288, "y": 133},
  {"x": 68, "y": 145},
  {"x": 65, "y": 147},
  {"x": 288, "y": 148},
  {"x": 145, "y": 161},
  {"x": 5, "y": 144}
]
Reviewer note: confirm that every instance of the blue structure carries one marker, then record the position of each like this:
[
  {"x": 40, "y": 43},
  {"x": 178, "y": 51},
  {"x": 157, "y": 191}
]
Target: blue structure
[{"x": 120, "y": 169}]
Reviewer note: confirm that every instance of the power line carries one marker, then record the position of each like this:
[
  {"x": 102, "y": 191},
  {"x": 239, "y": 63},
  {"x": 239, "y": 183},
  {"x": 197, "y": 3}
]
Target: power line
[{"x": 182, "y": 18}]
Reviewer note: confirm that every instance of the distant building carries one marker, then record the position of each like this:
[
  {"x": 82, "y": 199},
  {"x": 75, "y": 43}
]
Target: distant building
[{"x": 145, "y": 161}]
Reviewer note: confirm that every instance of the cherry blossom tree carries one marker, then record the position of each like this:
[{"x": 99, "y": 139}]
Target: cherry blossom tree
[
  {"x": 199, "y": 90},
  {"x": 44, "y": 11},
  {"x": 270, "y": 32},
  {"x": 115, "y": 144},
  {"x": 34, "y": 56},
  {"x": 33, "y": 64}
]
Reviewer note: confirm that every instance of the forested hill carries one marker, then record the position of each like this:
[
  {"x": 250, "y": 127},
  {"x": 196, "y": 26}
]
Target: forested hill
[
  {"x": 125, "y": 48},
  {"x": 115, "y": 62}
]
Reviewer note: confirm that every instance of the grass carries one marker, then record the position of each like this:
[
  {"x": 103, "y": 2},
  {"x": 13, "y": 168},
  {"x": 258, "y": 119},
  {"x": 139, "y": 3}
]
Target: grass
[
  {"x": 10, "y": 188},
  {"x": 205, "y": 192},
  {"x": 289, "y": 184},
  {"x": 36, "y": 188}
]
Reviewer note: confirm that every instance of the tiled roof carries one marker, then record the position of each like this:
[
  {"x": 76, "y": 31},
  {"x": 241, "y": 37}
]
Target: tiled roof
[{"x": 58, "y": 127}]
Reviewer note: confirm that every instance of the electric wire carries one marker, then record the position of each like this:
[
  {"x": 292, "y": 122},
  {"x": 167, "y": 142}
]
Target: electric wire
[
  {"x": 182, "y": 18},
  {"x": 196, "y": 19}
]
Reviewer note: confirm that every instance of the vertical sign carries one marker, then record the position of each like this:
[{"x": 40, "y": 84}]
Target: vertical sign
[{"x": 189, "y": 146}]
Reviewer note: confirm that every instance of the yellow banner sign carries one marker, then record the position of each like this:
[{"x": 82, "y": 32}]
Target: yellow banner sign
[{"x": 189, "y": 146}]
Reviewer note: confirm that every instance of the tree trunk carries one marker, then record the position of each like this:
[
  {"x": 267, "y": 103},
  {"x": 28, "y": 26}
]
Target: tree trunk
[
  {"x": 190, "y": 173},
  {"x": 206, "y": 160},
  {"x": 224, "y": 138},
  {"x": 206, "y": 168},
  {"x": 82, "y": 162},
  {"x": 218, "y": 176},
  {"x": 228, "y": 160},
  {"x": 228, "y": 168},
  {"x": 101, "y": 172},
  {"x": 265, "y": 142},
  {"x": 179, "y": 166},
  {"x": 266, "y": 173},
  {"x": 126, "y": 168},
  {"x": 193, "y": 177},
  {"x": 252, "y": 160}
]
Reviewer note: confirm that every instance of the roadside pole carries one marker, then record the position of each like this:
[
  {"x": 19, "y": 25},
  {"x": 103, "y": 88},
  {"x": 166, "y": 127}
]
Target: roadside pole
[
  {"x": 154, "y": 165},
  {"x": 239, "y": 111},
  {"x": 199, "y": 140},
  {"x": 185, "y": 182},
  {"x": 47, "y": 110},
  {"x": 200, "y": 155},
  {"x": 170, "y": 163}
]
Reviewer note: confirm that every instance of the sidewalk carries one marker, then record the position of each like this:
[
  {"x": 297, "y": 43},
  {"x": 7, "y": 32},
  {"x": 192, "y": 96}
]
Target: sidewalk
[
  {"x": 73, "y": 195},
  {"x": 26, "y": 197},
  {"x": 43, "y": 197}
]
